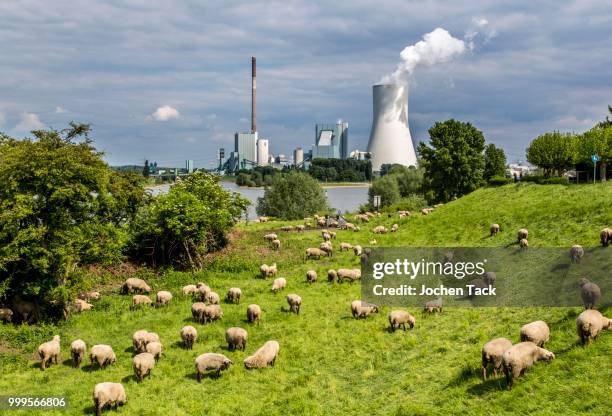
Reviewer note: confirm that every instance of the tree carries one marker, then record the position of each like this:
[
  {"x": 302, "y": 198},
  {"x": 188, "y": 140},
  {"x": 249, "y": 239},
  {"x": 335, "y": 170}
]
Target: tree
[
  {"x": 388, "y": 190},
  {"x": 146, "y": 172},
  {"x": 292, "y": 196},
  {"x": 410, "y": 181},
  {"x": 597, "y": 141},
  {"x": 495, "y": 161},
  {"x": 553, "y": 152},
  {"x": 453, "y": 161}
]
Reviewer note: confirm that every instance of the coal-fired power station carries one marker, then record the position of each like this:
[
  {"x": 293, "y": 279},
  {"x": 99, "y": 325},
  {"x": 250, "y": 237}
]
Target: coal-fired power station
[{"x": 390, "y": 140}]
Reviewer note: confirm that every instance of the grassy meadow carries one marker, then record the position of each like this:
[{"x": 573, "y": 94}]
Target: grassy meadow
[{"x": 330, "y": 363}]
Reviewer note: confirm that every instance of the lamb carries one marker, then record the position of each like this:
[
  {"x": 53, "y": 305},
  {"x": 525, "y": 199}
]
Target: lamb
[
  {"x": 349, "y": 274},
  {"x": 236, "y": 338},
  {"x": 327, "y": 248},
  {"x": 381, "y": 229},
  {"x": 295, "y": 302},
  {"x": 605, "y": 237},
  {"x": 197, "y": 311},
  {"x": 267, "y": 271},
  {"x": 357, "y": 250},
  {"x": 520, "y": 357},
  {"x": 311, "y": 276},
  {"x": 494, "y": 229},
  {"x": 253, "y": 313},
  {"x": 524, "y": 243},
  {"x": 108, "y": 394},
  {"x": 276, "y": 244},
  {"x": 346, "y": 246},
  {"x": 102, "y": 354},
  {"x": 590, "y": 323},
  {"x": 213, "y": 298},
  {"x": 394, "y": 228},
  {"x": 189, "y": 335},
  {"x": 80, "y": 305},
  {"x": 212, "y": 313},
  {"x": 271, "y": 236},
  {"x": 492, "y": 353},
  {"x": 163, "y": 297},
  {"x": 433, "y": 306},
  {"x": 523, "y": 233},
  {"x": 314, "y": 252},
  {"x": 332, "y": 276},
  {"x": 49, "y": 352},
  {"x": 138, "y": 300},
  {"x": 77, "y": 350},
  {"x": 536, "y": 332},
  {"x": 211, "y": 361},
  {"x": 189, "y": 290},
  {"x": 234, "y": 294},
  {"x": 264, "y": 356},
  {"x": 590, "y": 293},
  {"x": 279, "y": 284},
  {"x": 400, "y": 318},
  {"x": 155, "y": 348},
  {"x": 134, "y": 284},
  {"x": 362, "y": 309},
  {"x": 142, "y": 364},
  {"x": 6, "y": 315}
]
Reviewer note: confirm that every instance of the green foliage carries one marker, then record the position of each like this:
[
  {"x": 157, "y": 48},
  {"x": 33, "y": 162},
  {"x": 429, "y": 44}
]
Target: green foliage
[
  {"x": 192, "y": 219},
  {"x": 453, "y": 161},
  {"x": 146, "y": 171},
  {"x": 341, "y": 170},
  {"x": 258, "y": 176},
  {"x": 499, "y": 180},
  {"x": 413, "y": 203},
  {"x": 495, "y": 162},
  {"x": 292, "y": 196},
  {"x": 388, "y": 190},
  {"x": 553, "y": 152}
]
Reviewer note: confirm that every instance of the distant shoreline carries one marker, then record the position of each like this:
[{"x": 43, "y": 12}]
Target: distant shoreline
[{"x": 326, "y": 186}]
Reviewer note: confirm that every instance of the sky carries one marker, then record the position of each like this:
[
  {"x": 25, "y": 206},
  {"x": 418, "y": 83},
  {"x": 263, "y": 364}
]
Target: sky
[{"x": 170, "y": 80}]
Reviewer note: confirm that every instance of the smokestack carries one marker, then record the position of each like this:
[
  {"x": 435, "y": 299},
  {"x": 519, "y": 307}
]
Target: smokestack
[{"x": 253, "y": 94}]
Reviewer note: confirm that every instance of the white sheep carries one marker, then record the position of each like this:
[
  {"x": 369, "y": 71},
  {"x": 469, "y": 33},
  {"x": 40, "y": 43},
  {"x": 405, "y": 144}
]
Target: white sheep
[
  {"x": 142, "y": 364},
  {"x": 138, "y": 300},
  {"x": 77, "y": 350},
  {"x": 81, "y": 306},
  {"x": 360, "y": 309},
  {"x": 346, "y": 246},
  {"x": 279, "y": 284},
  {"x": 576, "y": 253},
  {"x": 523, "y": 233},
  {"x": 400, "y": 318},
  {"x": 212, "y": 313},
  {"x": 163, "y": 297},
  {"x": 311, "y": 276},
  {"x": 271, "y": 236},
  {"x": 213, "y": 298},
  {"x": 267, "y": 271},
  {"x": 264, "y": 356},
  {"x": 189, "y": 335},
  {"x": 134, "y": 284},
  {"x": 590, "y": 293},
  {"x": 276, "y": 244},
  {"x": 349, "y": 274},
  {"x": 155, "y": 348},
  {"x": 236, "y": 338},
  {"x": 197, "y": 311},
  {"x": 211, "y": 361},
  {"x": 494, "y": 229},
  {"x": 49, "y": 352},
  {"x": 394, "y": 228},
  {"x": 524, "y": 243},
  {"x": 108, "y": 394},
  {"x": 6, "y": 315},
  {"x": 357, "y": 250},
  {"x": 102, "y": 354},
  {"x": 522, "y": 356},
  {"x": 189, "y": 290},
  {"x": 492, "y": 353},
  {"x": 536, "y": 332},
  {"x": 295, "y": 303},
  {"x": 590, "y": 323},
  {"x": 234, "y": 294},
  {"x": 253, "y": 313},
  {"x": 314, "y": 252}
]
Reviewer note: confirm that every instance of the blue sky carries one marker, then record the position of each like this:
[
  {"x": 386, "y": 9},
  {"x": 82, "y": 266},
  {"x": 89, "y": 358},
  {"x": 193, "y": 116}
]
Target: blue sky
[{"x": 170, "y": 80}]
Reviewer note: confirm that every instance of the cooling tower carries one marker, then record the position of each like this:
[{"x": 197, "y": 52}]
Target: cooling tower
[{"x": 390, "y": 140}]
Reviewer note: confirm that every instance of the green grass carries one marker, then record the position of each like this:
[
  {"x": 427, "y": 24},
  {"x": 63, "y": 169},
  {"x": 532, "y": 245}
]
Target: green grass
[{"x": 330, "y": 363}]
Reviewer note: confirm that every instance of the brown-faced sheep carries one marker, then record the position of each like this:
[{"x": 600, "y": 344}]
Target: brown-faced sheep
[
  {"x": 524, "y": 243},
  {"x": 520, "y": 357},
  {"x": 138, "y": 300},
  {"x": 300, "y": 228},
  {"x": 492, "y": 353},
  {"x": 134, "y": 284},
  {"x": 315, "y": 253},
  {"x": 357, "y": 250},
  {"x": 311, "y": 276},
  {"x": 346, "y": 246},
  {"x": 211, "y": 362},
  {"x": 189, "y": 335},
  {"x": 203, "y": 291},
  {"x": 141, "y": 338},
  {"x": 287, "y": 228},
  {"x": 108, "y": 394},
  {"x": 213, "y": 298},
  {"x": 279, "y": 284},
  {"x": 536, "y": 332},
  {"x": 102, "y": 354},
  {"x": 6, "y": 315},
  {"x": 494, "y": 229},
  {"x": 233, "y": 295},
  {"x": 276, "y": 245},
  {"x": 163, "y": 297},
  {"x": 433, "y": 306},
  {"x": 197, "y": 311},
  {"x": 142, "y": 364},
  {"x": 189, "y": 290},
  {"x": 349, "y": 274},
  {"x": 155, "y": 348},
  {"x": 212, "y": 313},
  {"x": 523, "y": 233},
  {"x": 400, "y": 318},
  {"x": 77, "y": 351},
  {"x": 326, "y": 236},
  {"x": 590, "y": 293},
  {"x": 295, "y": 303},
  {"x": 380, "y": 229},
  {"x": 590, "y": 323},
  {"x": 236, "y": 338},
  {"x": 605, "y": 237},
  {"x": 49, "y": 352},
  {"x": 360, "y": 309},
  {"x": 327, "y": 248},
  {"x": 332, "y": 276},
  {"x": 253, "y": 313},
  {"x": 264, "y": 356},
  {"x": 576, "y": 253}
]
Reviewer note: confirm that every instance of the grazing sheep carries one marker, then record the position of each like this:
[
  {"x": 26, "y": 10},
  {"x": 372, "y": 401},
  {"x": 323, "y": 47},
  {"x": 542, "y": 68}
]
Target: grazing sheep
[
  {"x": 333, "y": 233},
  {"x": 327, "y": 248},
  {"x": 490, "y": 278},
  {"x": 212, "y": 313},
  {"x": 524, "y": 243},
  {"x": 350, "y": 226},
  {"x": 77, "y": 350},
  {"x": 349, "y": 274},
  {"x": 6, "y": 315},
  {"x": 362, "y": 218},
  {"x": 520, "y": 357},
  {"x": 394, "y": 228},
  {"x": 213, "y": 298},
  {"x": 590, "y": 293},
  {"x": 590, "y": 323},
  {"x": 361, "y": 309},
  {"x": 189, "y": 290},
  {"x": 295, "y": 302},
  {"x": 108, "y": 394},
  {"x": 163, "y": 297},
  {"x": 197, "y": 311},
  {"x": 264, "y": 356},
  {"x": 102, "y": 354},
  {"x": 492, "y": 353},
  {"x": 203, "y": 291},
  {"x": 311, "y": 276},
  {"x": 80, "y": 305},
  {"x": 264, "y": 219},
  {"x": 326, "y": 236},
  {"x": 536, "y": 332},
  {"x": 425, "y": 211},
  {"x": 381, "y": 229},
  {"x": 267, "y": 271},
  {"x": 287, "y": 228},
  {"x": 357, "y": 250},
  {"x": 141, "y": 338},
  {"x": 138, "y": 300},
  {"x": 276, "y": 244},
  {"x": 142, "y": 364},
  {"x": 211, "y": 362},
  {"x": 134, "y": 284},
  {"x": 346, "y": 246},
  {"x": 314, "y": 252},
  {"x": 271, "y": 236},
  {"x": 332, "y": 276},
  {"x": 433, "y": 306},
  {"x": 300, "y": 228},
  {"x": 236, "y": 338},
  {"x": 189, "y": 335},
  {"x": 253, "y": 313},
  {"x": 605, "y": 237},
  {"x": 279, "y": 284},
  {"x": 91, "y": 296},
  {"x": 49, "y": 352},
  {"x": 576, "y": 253},
  {"x": 155, "y": 348},
  {"x": 400, "y": 318},
  {"x": 523, "y": 233},
  {"x": 234, "y": 294},
  {"x": 494, "y": 229}
]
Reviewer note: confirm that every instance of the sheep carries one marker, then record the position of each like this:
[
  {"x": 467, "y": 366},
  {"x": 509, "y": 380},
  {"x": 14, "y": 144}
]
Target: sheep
[
  {"x": 134, "y": 284},
  {"x": 49, "y": 352},
  {"x": 362, "y": 218},
  {"x": 590, "y": 293},
  {"x": 381, "y": 229},
  {"x": 264, "y": 356},
  {"x": 80, "y": 305},
  {"x": 536, "y": 332},
  {"x": 276, "y": 244},
  {"x": 327, "y": 248},
  {"x": 90, "y": 296},
  {"x": 264, "y": 219},
  {"x": 350, "y": 226},
  {"x": 270, "y": 237},
  {"x": 360, "y": 309},
  {"x": 590, "y": 323},
  {"x": 233, "y": 295},
  {"x": 163, "y": 297},
  {"x": 605, "y": 237},
  {"x": 155, "y": 348},
  {"x": 102, "y": 354},
  {"x": 373, "y": 242},
  {"x": 211, "y": 361},
  {"x": 138, "y": 300},
  {"x": 333, "y": 234},
  {"x": 425, "y": 211},
  {"x": 520, "y": 357},
  {"x": 494, "y": 229},
  {"x": 6, "y": 315},
  {"x": 576, "y": 253},
  {"x": 332, "y": 276},
  {"x": 314, "y": 252},
  {"x": 287, "y": 228},
  {"x": 300, "y": 228},
  {"x": 311, "y": 276},
  {"x": 203, "y": 291},
  {"x": 357, "y": 250},
  {"x": 189, "y": 335},
  {"x": 213, "y": 298},
  {"x": 77, "y": 350},
  {"x": 326, "y": 236},
  {"x": 295, "y": 302},
  {"x": 141, "y": 338},
  {"x": 490, "y": 278},
  {"x": 524, "y": 243},
  {"x": 267, "y": 271},
  {"x": 279, "y": 284},
  {"x": 212, "y": 313},
  {"x": 253, "y": 313},
  {"x": 189, "y": 290},
  {"x": 433, "y": 306},
  {"x": 349, "y": 274},
  {"x": 142, "y": 364},
  {"x": 236, "y": 338},
  {"x": 108, "y": 394},
  {"x": 523, "y": 233},
  {"x": 394, "y": 228},
  {"x": 197, "y": 311},
  {"x": 346, "y": 246},
  {"x": 492, "y": 353},
  {"x": 397, "y": 318}
]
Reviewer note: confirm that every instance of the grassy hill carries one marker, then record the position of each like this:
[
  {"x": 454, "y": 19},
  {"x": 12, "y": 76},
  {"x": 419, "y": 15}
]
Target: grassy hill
[{"x": 330, "y": 363}]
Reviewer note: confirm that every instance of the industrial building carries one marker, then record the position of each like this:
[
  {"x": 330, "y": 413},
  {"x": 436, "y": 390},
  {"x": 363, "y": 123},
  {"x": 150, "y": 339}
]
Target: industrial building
[
  {"x": 298, "y": 156},
  {"x": 262, "y": 152},
  {"x": 245, "y": 144},
  {"x": 331, "y": 141}
]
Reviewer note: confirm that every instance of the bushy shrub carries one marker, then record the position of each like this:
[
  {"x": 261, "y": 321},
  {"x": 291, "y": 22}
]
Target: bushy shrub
[
  {"x": 500, "y": 180},
  {"x": 410, "y": 203},
  {"x": 388, "y": 190}
]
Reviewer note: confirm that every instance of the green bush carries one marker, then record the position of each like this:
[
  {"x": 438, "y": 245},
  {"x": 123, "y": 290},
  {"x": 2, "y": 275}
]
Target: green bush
[
  {"x": 409, "y": 203},
  {"x": 563, "y": 180},
  {"x": 387, "y": 188},
  {"x": 500, "y": 180}
]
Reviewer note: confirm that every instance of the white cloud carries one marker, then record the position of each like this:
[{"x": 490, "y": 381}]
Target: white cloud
[
  {"x": 165, "y": 113},
  {"x": 29, "y": 122}
]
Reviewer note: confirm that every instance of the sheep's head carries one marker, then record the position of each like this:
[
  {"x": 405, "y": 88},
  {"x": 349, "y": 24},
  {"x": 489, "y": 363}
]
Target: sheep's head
[
  {"x": 411, "y": 322},
  {"x": 56, "y": 338},
  {"x": 607, "y": 323},
  {"x": 548, "y": 355},
  {"x": 226, "y": 363}
]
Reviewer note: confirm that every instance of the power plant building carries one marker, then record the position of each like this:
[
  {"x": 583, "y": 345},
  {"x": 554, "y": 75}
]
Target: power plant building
[
  {"x": 262, "y": 152},
  {"x": 298, "y": 156},
  {"x": 331, "y": 141},
  {"x": 245, "y": 144}
]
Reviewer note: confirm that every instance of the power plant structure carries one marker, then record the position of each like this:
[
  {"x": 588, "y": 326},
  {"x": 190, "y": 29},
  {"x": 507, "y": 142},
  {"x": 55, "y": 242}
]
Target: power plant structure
[{"x": 390, "y": 141}]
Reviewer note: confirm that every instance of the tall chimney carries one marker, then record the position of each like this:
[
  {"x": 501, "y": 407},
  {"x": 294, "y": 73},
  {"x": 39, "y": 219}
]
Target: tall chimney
[{"x": 253, "y": 95}]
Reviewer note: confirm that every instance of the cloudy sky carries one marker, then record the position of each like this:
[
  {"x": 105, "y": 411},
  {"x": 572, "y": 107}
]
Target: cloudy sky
[{"x": 170, "y": 80}]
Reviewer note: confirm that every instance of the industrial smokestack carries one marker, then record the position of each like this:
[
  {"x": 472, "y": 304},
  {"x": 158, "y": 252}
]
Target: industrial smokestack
[
  {"x": 390, "y": 140},
  {"x": 253, "y": 94}
]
